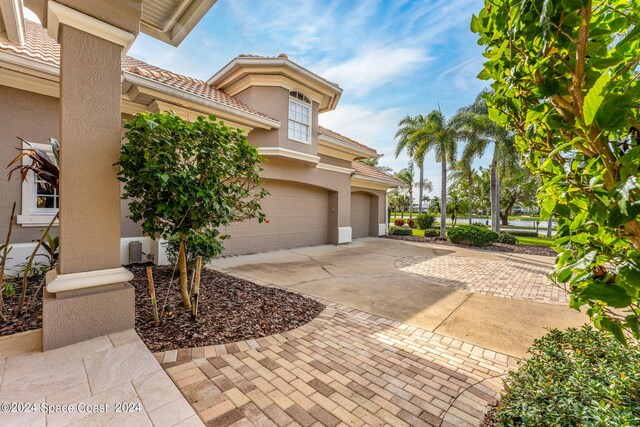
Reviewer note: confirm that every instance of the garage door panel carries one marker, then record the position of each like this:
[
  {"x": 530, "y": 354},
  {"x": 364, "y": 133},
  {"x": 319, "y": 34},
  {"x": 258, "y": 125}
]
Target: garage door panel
[
  {"x": 297, "y": 214},
  {"x": 360, "y": 214}
]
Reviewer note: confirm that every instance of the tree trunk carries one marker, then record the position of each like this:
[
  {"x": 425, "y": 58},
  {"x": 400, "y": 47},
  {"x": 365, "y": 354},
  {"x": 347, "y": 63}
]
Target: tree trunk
[
  {"x": 470, "y": 201},
  {"x": 182, "y": 264},
  {"x": 507, "y": 211},
  {"x": 443, "y": 200},
  {"x": 495, "y": 198},
  {"x": 420, "y": 188},
  {"x": 411, "y": 200},
  {"x": 549, "y": 226}
]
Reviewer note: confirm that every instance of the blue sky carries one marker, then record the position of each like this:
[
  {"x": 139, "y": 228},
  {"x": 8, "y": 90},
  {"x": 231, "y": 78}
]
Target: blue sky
[{"x": 392, "y": 58}]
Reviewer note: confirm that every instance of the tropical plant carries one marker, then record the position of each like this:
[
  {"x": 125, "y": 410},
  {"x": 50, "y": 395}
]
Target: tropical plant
[
  {"x": 517, "y": 185},
  {"x": 441, "y": 136},
  {"x": 481, "y": 132},
  {"x": 463, "y": 175},
  {"x": 425, "y": 220},
  {"x": 454, "y": 206},
  {"x": 472, "y": 235},
  {"x": 566, "y": 81},
  {"x": 399, "y": 202},
  {"x": 47, "y": 170},
  {"x": 374, "y": 162},
  {"x": 407, "y": 127},
  {"x": 189, "y": 178}
]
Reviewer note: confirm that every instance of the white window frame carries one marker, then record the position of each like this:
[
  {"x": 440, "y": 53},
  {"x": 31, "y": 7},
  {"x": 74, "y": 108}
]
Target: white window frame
[
  {"x": 31, "y": 215},
  {"x": 306, "y": 103}
]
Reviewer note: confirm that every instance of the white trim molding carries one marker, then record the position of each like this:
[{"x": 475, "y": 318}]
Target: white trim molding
[
  {"x": 344, "y": 235},
  {"x": 87, "y": 279},
  {"x": 334, "y": 168},
  {"x": 11, "y": 14},
  {"x": 382, "y": 228},
  {"x": 288, "y": 154},
  {"x": 58, "y": 14}
]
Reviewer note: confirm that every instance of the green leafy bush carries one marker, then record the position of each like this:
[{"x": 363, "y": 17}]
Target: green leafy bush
[
  {"x": 481, "y": 224},
  {"x": 472, "y": 235},
  {"x": 401, "y": 231},
  {"x": 398, "y": 222},
  {"x": 196, "y": 245},
  {"x": 518, "y": 233},
  {"x": 425, "y": 220},
  {"x": 431, "y": 232},
  {"x": 577, "y": 377},
  {"x": 507, "y": 238}
]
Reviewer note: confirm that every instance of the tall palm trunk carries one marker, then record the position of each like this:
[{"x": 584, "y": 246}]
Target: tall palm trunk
[
  {"x": 495, "y": 198},
  {"x": 470, "y": 200},
  {"x": 549, "y": 226},
  {"x": 443, "y": 199},
  {"x": 420, "y": 187},
  {"x": 411, "y": 201}
]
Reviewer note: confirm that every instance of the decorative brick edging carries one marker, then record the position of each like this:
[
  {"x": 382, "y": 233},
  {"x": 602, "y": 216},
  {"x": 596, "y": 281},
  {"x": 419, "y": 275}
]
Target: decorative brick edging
[
  {"x": 475, "y": 401},
  {"x": 173, "y": 357}
]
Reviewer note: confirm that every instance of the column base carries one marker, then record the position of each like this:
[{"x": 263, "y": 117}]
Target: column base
[
  {"x": 68, "y": 319},
  {"x": 344, "y": 235}
]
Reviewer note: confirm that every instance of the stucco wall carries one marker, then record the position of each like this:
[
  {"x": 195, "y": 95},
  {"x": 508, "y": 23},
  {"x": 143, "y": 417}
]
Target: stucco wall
[
  {"x": 35, "y": 118},
  {"x": 334, "y": 161},
  {"x": 275, "y": 102}
]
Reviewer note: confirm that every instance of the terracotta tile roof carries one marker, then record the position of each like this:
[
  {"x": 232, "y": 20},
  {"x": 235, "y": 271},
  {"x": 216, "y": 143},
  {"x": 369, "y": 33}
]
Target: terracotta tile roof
[
  {"x": 344, "y": 139},
  {"x": 368, "y": 171},
  {"x": 39, "y": 46}
]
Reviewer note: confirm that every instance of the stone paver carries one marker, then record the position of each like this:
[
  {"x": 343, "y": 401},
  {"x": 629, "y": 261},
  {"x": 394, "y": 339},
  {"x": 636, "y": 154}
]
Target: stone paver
[
  {"x": 498, "y": 278},
  {"x": 346, "y": 367},
  {"x": 109, "y": 380}
]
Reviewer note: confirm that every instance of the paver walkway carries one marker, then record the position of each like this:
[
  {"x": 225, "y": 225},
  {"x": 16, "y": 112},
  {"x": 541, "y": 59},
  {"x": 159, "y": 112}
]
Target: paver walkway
[
  {"x": 498, "y": 278},
  {"x": 346, "y": 367}
]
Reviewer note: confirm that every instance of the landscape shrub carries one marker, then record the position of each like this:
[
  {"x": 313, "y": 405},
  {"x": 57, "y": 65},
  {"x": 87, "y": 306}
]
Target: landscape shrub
[
  {"x": 431, "y": 232},
  {"x": 411, "y": 223},
  {"x": 472, "y": 235},
  {"x": 481, "y": 224},
  {"x": 401, "y": 231},
  {"x": 425, "y": 220},
  {"x": 507, "y": 238},
  {"x": 398, "y": 222},
  {"x": 577, "y": 377},
  {"x": 518, "y": 233}
]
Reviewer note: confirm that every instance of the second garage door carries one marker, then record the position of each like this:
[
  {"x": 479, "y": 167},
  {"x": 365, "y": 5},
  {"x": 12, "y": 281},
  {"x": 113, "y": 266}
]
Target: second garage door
[
  {"x": 360, "y": 215},
  {"x": 298, "y": 216}
]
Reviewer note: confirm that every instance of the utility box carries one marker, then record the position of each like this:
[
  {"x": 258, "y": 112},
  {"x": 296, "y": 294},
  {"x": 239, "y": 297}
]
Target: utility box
[{"x": 135, "y": 252}]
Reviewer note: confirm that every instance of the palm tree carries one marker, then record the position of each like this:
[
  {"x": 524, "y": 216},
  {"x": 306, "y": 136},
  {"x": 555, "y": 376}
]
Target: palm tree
[
  {"x": 406, "y": 175},
  {"x": 480, "y": 132},
  {"x": 406, "y": 128},
  {"x": 441, "y": 136},
  {"x": 464, "y": 172}
]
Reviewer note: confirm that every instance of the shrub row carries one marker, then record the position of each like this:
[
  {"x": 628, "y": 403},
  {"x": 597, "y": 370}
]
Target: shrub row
[
  {"x": 519, "y": 233},
  {"x": 401, "y": 222},
  {"x": 472, "y": 235},
  {"x": 508, "y": 238},
  {"x": 577, "y": 377},
  {"x": 400, "y": 231},
  {"x": 431, "y": 232}
]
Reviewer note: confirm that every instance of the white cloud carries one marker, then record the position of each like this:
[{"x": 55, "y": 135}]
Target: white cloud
[{"x": 375, "y": 67}]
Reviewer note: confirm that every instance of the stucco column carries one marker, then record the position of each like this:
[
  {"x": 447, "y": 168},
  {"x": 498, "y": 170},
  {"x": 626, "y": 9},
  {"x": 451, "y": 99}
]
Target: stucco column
[
  {"x": 89, "y": 295},
  {"x": 340, "y": 216}
]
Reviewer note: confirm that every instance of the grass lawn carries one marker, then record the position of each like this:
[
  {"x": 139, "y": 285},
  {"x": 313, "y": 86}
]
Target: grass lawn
[{"x": 535, "y": 241}]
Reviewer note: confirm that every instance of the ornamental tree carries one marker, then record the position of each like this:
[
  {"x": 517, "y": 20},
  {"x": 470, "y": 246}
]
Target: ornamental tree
[
  {"x": 565, "y": 80},
  {"x": 185, "y": 180}
]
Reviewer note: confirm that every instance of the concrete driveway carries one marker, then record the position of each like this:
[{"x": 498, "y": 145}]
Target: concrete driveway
[{"x": 499, "y": 301}]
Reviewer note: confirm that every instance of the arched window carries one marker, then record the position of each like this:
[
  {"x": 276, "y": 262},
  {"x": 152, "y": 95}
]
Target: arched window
[{"x": 299, "y": 117}]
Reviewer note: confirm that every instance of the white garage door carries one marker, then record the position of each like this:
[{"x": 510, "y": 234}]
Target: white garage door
[
  {"x": 360, "y": 214},
  {"x": 298, "y": 216}
]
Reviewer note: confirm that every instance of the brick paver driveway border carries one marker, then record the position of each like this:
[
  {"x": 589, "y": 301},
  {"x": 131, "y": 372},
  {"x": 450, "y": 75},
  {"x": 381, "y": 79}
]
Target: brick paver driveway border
[{"x": 346, "y": 367}]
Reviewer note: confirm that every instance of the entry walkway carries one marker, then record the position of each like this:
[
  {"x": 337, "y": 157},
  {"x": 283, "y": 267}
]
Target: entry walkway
[{"x": 346, "y": 367}]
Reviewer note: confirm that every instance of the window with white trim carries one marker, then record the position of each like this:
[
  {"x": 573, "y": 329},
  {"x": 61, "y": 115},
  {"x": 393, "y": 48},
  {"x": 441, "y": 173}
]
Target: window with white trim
[
  {"x": 39, "y": 199},
  {"x": 299, "y": 117}
]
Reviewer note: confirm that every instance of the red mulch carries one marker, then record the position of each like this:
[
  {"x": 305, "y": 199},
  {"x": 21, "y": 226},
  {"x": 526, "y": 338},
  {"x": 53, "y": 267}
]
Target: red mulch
[
  {"x": 494, "y": 247},
  {"x": 230, "y": 309}
]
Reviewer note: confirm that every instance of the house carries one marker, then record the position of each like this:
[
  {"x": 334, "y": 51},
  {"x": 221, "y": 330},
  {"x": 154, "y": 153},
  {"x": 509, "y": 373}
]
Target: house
[{"x": 319, "y": 192}]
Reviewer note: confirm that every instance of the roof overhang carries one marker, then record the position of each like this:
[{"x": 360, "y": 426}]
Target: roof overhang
[
  {"x": 364, "y": 181},
  {"x": 172, "y": 20},
  {"x": 245, "y": 71},
  {"x": 135, "y": 85},
  {"x": 12, "y": 21},
  {"x": 349, "y": 152}
]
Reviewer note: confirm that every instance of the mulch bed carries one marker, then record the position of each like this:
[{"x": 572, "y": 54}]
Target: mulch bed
[
  {"x": 494, "y": 247},
  {"x": 31, "y": 318},
  {"x": 230, "y": 309}
]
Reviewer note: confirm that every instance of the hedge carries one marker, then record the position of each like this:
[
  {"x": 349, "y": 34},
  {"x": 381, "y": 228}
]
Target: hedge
[{"x": 472, "y": 235}]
